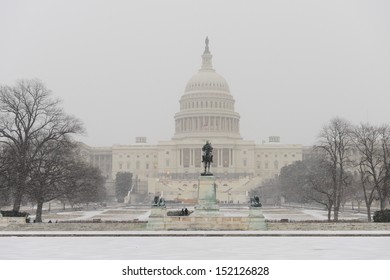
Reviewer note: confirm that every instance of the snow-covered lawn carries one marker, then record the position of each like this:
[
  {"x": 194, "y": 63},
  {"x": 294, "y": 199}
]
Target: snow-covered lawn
[
  {"x": 178, "y": 247},
  {"x": 272, "y": 214},
  {"x": 142, "y": 214}
]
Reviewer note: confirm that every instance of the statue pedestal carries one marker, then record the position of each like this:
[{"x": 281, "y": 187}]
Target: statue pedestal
[
  {"x": 207, "y": 215},
  {"x": 207, "y": 200},
  {"x": 256, "y": 220},
  {"x": 157, "y": 218}
]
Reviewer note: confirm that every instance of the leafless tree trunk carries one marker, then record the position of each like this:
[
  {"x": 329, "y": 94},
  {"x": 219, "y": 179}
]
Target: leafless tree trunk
[
  {"x": 369, "y": 192},
  {"x": 38, "y": 213},
  {"x": 329, "y": 212}
]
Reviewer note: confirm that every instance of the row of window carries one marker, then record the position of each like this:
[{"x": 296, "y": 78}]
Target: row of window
[
  {"x": 207, "y": 124},
  {"x": 266, "y": 165},
  {"x": 138, "y": 156},
  {"x": 207, "y": 104},
  {"x": 210, "y": 84},
  {"x": 100, "y": 157},
  {"x": 167, "y": 163},
  {"x": 96, "y": 158},
  {"x": 127, "y": 165},
  {"x": 285, "y": 155},
  {"x": 167, "y": 153}
]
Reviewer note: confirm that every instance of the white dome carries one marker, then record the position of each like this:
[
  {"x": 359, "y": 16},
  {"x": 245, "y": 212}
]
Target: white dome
[
  {"x": 207, "y": 107},
  {"x": 207, "y": 80}
]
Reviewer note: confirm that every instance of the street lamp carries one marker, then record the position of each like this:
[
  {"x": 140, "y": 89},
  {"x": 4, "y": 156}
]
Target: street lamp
[
  {"x": 179, "y": 194},
  {"x": 194, "y": 188}
]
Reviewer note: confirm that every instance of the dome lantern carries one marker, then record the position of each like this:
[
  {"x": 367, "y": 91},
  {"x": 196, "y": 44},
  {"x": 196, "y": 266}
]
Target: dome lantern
[{"x": 207, "y": 58}]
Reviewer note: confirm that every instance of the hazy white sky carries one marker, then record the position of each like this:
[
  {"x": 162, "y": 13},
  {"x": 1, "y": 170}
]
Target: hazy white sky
[{"x": 122, "y": 66}]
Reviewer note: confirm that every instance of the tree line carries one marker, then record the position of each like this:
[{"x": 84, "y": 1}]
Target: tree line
[
  {"x": 349, "y": 163},
  {"x": 39, "y": 159}
]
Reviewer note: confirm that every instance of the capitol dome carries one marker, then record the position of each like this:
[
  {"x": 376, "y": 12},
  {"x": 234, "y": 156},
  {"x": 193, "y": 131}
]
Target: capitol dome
[
  {"x": 207, "y": 107},
  {"x": 207, "y": 80}
]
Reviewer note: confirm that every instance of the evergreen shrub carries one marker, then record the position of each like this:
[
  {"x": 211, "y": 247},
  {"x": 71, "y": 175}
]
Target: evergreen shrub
[
  {"x": 14, "y": 214},
  {"x": 382, "y": 216}
]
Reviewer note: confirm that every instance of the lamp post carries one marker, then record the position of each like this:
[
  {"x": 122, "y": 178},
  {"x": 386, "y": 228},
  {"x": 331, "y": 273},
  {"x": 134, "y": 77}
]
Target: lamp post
[
  {"x": 194, "y": 188},
  {"x": 178, "y": 195}
]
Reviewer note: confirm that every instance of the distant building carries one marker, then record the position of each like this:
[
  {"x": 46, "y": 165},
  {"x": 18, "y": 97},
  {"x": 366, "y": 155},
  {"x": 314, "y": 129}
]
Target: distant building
[{"x": 207, "y": 112}]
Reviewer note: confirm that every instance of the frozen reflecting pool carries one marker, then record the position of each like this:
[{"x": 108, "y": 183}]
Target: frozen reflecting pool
[{"x": 273, "y": 248}]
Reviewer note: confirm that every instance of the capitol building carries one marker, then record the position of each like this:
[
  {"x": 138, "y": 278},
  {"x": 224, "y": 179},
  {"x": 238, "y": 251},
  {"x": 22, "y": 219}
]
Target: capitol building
[{"x": 171, "y": 168}]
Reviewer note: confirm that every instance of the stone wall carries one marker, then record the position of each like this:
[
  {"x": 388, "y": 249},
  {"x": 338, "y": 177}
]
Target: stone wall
[
  {"x": 159, "y": 221},
  {"x": 5, "y": 221},
  {"x": 271, "y": 226}
]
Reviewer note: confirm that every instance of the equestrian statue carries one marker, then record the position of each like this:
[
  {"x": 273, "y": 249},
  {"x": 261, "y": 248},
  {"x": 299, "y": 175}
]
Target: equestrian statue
[{"x": 207, "y": 158}]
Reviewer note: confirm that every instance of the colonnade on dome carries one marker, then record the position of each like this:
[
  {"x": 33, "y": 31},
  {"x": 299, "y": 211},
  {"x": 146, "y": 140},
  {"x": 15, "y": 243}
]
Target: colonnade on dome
[{"x": 207, "y": 124}]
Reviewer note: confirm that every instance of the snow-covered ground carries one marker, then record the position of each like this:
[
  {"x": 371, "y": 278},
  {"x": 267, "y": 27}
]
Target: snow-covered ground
[
  {"x": 142, "y": 214},
  {"x": 184, "y": 248},
  {"x": 87, "y": 215},
  {"x": 194, "y": 247}
]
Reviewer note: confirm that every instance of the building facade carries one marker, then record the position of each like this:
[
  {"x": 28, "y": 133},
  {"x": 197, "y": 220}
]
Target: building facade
[{"x": 207, "y": 113}]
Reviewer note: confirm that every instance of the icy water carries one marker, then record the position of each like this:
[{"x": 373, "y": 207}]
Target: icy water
[{"x": 184, "y": 248}]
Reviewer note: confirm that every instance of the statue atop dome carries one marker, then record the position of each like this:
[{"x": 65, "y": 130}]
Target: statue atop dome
[
  {"x": 206, "y": 50},
  {"x": 207, "y": 57}
]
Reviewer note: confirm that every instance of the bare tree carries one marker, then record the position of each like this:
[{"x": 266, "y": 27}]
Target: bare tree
[
  {"x": 85, "y": 186},
  {"x": 309, "y": 181},
  {"x": 319, "y": 186},
  {"x": 355, "y": 192},
  {"x": 49, "y": 172},
  {"x": 370, "y": 162},
  {"x": 3, "y": 169},
  {"x": 7, "y": 174},
  {"x": 29, "y": 118},
  {"x": 4, "y": 193},
  {"x": 335, "y": 143},
  {"x": 60, "y": 172},
  {"x": 384, "y": 189}
]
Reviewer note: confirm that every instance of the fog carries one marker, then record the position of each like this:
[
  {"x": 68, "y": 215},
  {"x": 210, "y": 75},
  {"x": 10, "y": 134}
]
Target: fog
[{"x": 122, "y": 66}]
